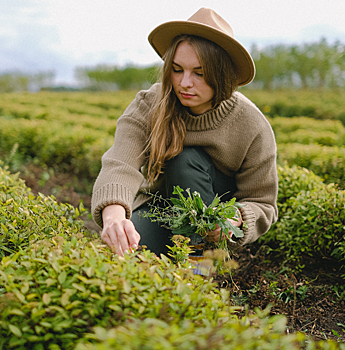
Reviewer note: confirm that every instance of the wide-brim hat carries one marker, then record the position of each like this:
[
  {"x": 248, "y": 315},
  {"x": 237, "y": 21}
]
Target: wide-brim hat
[{"x": 207, "y": 24}]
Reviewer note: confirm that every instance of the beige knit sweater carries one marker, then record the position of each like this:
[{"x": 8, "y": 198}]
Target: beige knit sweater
[{"x": 236, "y": 135}]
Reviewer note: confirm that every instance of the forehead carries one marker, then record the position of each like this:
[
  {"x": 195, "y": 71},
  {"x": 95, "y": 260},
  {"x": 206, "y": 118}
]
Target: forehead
[{"x": 185, "y": 55}]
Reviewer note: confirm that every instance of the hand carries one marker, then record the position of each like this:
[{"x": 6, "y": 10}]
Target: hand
[
  {"x": 118, "y": 232},
  {"x": 213, "y": 236}
]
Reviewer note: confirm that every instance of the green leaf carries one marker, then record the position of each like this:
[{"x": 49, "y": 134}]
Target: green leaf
[
  {"x": 177, "y": 202},
  {"x": 199, "y": 204},
  {"x": 15, "y": 330},
  {"x": 62, "y": 277},
  {"x": 215, "y": 202}
]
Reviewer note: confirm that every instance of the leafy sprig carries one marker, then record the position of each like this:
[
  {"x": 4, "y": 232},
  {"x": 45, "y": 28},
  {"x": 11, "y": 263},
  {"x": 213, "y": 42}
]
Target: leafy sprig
[{"x": 187, "y": 215}]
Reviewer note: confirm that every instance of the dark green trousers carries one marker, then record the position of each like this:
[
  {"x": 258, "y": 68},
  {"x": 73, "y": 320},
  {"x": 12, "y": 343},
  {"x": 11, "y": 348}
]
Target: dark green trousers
[{"x": 192, "y": 169}]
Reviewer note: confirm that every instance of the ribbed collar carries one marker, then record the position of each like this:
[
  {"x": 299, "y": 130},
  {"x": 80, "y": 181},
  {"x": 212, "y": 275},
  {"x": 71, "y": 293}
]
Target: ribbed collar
[{"x": 212, "y": 118}]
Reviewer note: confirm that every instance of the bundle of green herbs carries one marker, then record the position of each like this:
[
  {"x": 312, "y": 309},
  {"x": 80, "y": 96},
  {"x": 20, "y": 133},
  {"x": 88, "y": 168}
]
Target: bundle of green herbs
[{"x": 189, "y": 215}]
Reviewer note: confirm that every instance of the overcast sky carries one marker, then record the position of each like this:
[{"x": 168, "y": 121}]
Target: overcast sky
[{"x": 40, "y": 35}]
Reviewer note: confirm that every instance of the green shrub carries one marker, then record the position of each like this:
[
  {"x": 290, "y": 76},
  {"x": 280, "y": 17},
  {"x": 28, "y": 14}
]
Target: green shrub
[
  {"x": 248, "y": 333},
  {"x": 326, "y": 104},
  {"x": 24, "y": 217},
  {"x": 64, "y": 285},
  {"x": 307, "y": 131},
  {"x": 326, "y": 162},
  {"x": 311, "y": 217},
  {"x": 56, "y": 291},
  {"x": 64, "y": 148}
]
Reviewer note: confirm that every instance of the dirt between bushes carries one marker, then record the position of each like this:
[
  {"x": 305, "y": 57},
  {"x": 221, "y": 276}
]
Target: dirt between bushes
[
  {"x": 306, "y": 298},
  {"x": 313, "y": 300}
]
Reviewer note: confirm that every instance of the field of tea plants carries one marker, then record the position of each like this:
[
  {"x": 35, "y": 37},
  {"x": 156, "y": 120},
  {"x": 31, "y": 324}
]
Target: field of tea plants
[{"x": 61, "y": 288}]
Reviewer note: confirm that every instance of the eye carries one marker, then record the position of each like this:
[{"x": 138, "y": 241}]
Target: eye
[
  {"x": 176, "y": 70},
  {"x": 199, "y": 74}
]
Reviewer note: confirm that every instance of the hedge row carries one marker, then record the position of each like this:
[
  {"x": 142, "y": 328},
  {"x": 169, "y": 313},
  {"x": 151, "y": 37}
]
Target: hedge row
[
  {"x": 49, "y": 105},
  {"x": 311, "y": 217},
  {"x": 74, "y": 149},
  {"x": 63, "y": 294},
  {"x": 326, "y": 162},
  {"x": 25, "y": 217},
  {"x": 65, "y": 105},
  {"x": 295, "y": 103},
  {"x": 78, "y": 149},
  {"x": 308, "y": 131},
  {"x": 69, "y": 132},
  {"x": 67, "y": 291}
]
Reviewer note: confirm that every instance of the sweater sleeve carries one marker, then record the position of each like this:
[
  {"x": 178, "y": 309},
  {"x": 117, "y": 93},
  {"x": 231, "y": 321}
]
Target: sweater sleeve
[
  {"x": 257, "y": 186},
  {"x": 120, "y": 177}
]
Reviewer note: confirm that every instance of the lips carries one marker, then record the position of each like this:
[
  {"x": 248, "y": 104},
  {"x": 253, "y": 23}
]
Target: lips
[{"x": 187, "y": 94}]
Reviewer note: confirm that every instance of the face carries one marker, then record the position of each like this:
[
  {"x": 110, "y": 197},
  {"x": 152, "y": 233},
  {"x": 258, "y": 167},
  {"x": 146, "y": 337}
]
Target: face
[{"x": 188, "y": 81}]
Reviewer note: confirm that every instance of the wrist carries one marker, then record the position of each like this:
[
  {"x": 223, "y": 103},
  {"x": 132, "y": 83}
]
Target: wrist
[{"x": 113, "y": 212}]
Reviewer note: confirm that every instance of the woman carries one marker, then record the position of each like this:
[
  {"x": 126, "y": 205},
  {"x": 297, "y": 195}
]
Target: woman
[{"x": 191, "y": 130}]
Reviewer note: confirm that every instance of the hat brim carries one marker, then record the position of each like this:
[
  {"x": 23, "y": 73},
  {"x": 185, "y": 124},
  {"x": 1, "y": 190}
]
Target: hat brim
[{"x": 161, "y": 37}]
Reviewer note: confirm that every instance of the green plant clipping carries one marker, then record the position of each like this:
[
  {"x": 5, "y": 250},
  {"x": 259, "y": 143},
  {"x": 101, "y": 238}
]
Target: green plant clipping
[{"x": 188, "y": 215}]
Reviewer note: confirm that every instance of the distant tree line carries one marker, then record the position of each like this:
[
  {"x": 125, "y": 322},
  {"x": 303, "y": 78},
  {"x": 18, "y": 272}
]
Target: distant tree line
[
  {"x": 105, "y": 77},
  {"x": 310, "y": 65},
  {"x": 18, "y": 81},
  {"x": 314, "y": 65}
]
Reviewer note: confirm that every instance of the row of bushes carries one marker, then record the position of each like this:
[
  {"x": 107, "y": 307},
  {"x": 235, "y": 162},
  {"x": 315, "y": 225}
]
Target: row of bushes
[
  {"x": 311, "y": 217},
  {"x": 71, "y": 131},
  {"x": 24, "y": 217},
  {"x": 327, "y": 104},
  {"x": 326, "y": 162},
  {"x": 307, "y": 131},
  {"x": 65, "y": 290},
  {"x": 60, "y": 106},
  {"x": 78, "y": 150},
  {"x": 74, "y": 149},
  {"x": 48, "y": 105}
]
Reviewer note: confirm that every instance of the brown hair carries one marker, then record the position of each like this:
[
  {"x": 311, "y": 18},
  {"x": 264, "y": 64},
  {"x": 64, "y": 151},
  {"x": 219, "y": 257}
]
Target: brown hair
[{"x": 168, "y": 130}]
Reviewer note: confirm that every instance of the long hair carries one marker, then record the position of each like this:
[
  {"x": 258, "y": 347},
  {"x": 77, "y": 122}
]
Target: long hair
[{"x": 168, "y": 130}]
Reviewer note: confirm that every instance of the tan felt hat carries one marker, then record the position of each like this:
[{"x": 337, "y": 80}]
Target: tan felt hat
[{"x": 209, "y": 25}]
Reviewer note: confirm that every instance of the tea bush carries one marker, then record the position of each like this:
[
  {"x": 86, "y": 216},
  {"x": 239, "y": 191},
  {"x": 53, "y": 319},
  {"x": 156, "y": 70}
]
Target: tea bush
[
  {"x": 59, "y": 130},
  {"x": 307, "y": 131},
  {"x": 326, "y": 162},
  {"x": 53, "y": 294},
  {"x": 248, "y": 333},
  {"x": 311, "y": 217},
  {"x": 62, "y": 147},
  {"x": 65, "y": 290},
  {"x": 24, "y": 217},
  {"x": 56, "y": 291},
  {"x": 295, "y": 103},
  {"x": 69, "y": 132}
]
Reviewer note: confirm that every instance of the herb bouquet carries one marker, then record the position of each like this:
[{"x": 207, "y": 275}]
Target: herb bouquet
[{"x": 190, "y": 216}]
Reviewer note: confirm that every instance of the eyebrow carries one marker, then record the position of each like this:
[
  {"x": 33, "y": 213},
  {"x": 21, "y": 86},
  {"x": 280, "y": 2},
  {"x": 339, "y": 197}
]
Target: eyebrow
[{"x": 176, "y": 64}]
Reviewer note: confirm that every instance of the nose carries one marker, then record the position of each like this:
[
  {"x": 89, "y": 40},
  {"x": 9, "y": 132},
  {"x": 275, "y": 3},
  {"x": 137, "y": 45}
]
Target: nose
[{"x": 186, "y": 81}]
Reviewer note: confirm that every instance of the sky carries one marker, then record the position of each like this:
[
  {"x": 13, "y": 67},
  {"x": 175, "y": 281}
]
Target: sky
[{"x": 59, "y": 35}]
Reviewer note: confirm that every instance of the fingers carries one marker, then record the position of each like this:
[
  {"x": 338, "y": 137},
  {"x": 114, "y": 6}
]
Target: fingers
[
  {"x": 213, "y": 236},
  {"x": 121, "y": 236},
  {"x": 133, "y": 236}
]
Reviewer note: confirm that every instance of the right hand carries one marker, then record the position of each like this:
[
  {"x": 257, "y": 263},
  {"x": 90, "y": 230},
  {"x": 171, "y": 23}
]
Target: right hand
[{"x": 118, "y": 232}]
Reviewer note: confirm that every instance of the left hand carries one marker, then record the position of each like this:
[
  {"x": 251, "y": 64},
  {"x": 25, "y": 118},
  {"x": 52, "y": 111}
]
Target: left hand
[{"x": 213, "y": 236}]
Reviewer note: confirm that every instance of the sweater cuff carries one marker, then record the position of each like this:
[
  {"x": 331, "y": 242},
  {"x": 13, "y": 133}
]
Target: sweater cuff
[
  {"x": 248, "y": 216},
  {"x": 106, "y": 196}
]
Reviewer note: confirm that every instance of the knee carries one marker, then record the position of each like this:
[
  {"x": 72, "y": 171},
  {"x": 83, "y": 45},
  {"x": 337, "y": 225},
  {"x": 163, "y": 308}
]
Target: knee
[
  {"x": 189, "y": 163},
  {"x": 182, "y": 160},
  {"x": 181, "y": 165}
]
